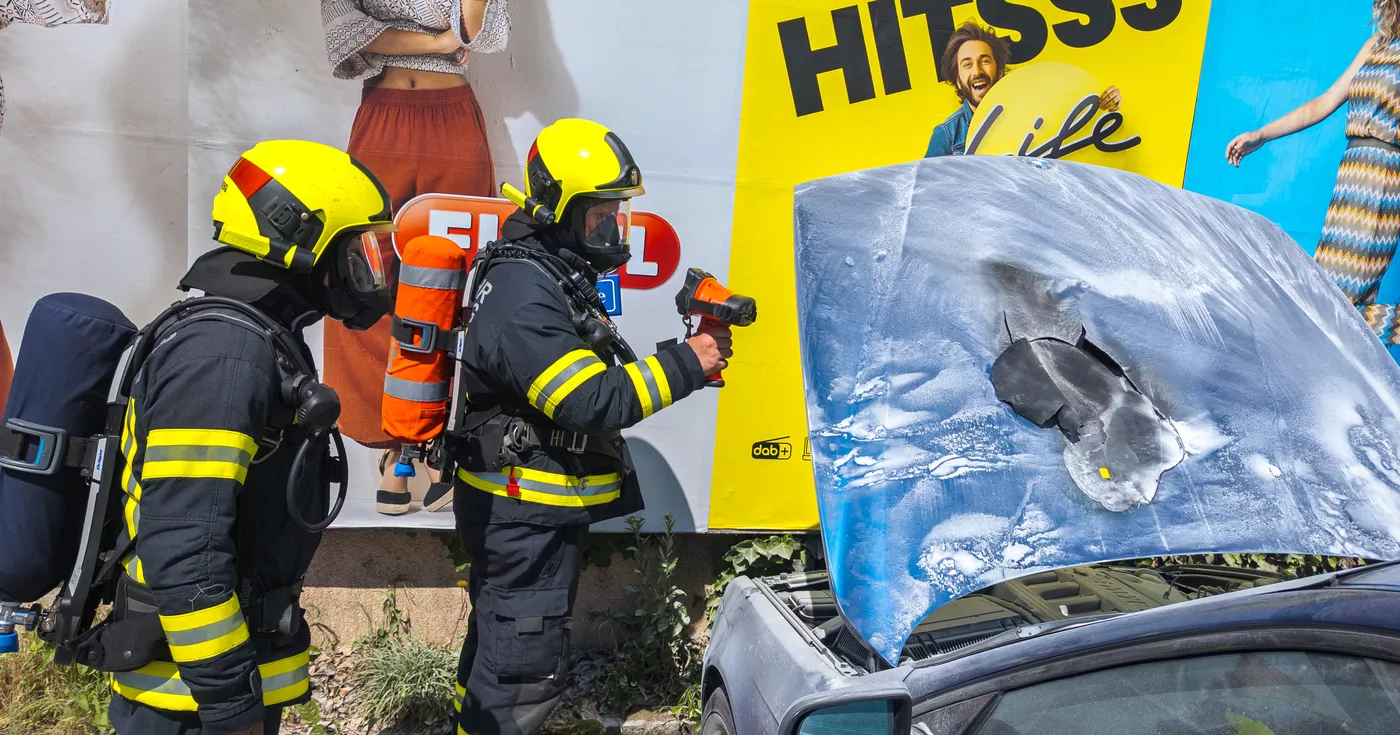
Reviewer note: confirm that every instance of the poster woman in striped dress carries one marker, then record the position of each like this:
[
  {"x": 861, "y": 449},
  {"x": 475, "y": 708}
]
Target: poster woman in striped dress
[{"x": 1362, "y": 229}]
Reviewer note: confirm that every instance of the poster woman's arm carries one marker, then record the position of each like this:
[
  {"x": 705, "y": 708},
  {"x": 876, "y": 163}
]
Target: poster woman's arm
[
  {"x": 351, "y": 33},
  {"x": 1311, "y": 113},
  {"x": 394, "y": 42}
]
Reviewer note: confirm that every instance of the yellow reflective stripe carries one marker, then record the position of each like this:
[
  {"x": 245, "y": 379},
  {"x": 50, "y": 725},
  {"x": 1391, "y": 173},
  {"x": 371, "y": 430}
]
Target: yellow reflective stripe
[
  {"x": 543, "y": 498},
  {"x": 204, "y": 634},
  {"x": 282, "y": 666},
  {"x": 195, "y": 454},
  {"x": 570, "y": 386},
  {"x": 134, "y": 569},
  {"x": 158, "y": 684},
  {"x": 640, "y": 385},
  {"x": 130, "y": 513},
  {"x": 457, "y": 700},
  {"x": 551, "y": 372},
  {"x": 194, "y": 470},
  {"x": 293, "y": 669},
  {"x": 286, "y": 693},
  {"x": 201, "y": 438},
  {"x": 567, "y": 373},
  {"x": 555, "y": 478},
  {"x": 200, "y": 618},
  {"x": 662, "y": 383}
]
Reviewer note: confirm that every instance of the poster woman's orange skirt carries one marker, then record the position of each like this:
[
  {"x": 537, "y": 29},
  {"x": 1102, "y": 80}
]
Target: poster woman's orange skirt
[
  {"x": 7, "y": 369},
  {"x": 417, "y": 141}
]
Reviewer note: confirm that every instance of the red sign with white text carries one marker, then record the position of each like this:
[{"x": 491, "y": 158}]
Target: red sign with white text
[{"x": 471, "y": 221}]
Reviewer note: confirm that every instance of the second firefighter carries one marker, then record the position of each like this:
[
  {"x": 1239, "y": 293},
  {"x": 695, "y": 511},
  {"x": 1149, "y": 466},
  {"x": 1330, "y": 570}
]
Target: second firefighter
[{"x": 549, "y": 384}]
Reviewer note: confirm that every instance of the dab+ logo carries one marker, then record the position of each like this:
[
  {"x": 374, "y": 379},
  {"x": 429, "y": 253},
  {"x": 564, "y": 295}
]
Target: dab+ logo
[{"x": 772, "y": 449}]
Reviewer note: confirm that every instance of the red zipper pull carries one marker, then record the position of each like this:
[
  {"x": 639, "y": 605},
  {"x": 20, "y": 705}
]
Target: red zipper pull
[{"x": 512, "y": 487}]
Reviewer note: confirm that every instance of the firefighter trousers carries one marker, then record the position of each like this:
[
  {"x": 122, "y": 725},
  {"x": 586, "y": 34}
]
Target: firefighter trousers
[
  {"x": 515, "y": 660},
  {"x": 130, "y": 718}
]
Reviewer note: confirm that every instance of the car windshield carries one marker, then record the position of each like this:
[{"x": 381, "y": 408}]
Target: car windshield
[{"x": 1246, "y": 693}]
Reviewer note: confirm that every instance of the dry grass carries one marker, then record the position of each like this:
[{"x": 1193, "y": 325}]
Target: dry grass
[{"x": 39, "y": 698}]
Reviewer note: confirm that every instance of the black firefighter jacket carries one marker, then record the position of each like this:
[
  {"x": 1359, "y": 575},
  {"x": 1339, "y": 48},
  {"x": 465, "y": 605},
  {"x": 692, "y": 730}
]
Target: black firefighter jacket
[
  {"x": 524, "y": 353},
  {"x": 198, "y": 440}
]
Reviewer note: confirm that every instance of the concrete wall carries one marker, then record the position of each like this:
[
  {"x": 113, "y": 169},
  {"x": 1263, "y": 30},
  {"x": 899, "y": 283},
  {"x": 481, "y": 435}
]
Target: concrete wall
[{"x": 345, "y": 588}]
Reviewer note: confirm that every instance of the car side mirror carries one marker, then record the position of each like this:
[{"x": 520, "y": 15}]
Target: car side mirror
[{"x": 861, "y": 717}]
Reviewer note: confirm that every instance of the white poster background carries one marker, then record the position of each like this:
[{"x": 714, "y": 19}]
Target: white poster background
[{"x": 118, "y": 136}]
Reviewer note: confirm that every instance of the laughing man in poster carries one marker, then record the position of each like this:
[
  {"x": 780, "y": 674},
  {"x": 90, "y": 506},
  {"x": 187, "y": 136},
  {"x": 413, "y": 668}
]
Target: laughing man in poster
[{"x": 974, "y": 61}]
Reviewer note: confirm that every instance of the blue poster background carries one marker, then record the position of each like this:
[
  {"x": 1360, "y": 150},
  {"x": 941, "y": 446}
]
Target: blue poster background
[{"x": 1263, "y": 59}]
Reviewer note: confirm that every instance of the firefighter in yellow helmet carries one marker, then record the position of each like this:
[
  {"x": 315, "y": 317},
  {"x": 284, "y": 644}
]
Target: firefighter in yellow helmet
[
  {"x": 217, "y": 545},
  {"x": 548, "y": 385}
]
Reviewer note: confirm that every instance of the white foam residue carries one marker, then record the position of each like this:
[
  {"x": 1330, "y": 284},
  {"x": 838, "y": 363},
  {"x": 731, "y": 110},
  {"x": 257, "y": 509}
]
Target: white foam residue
[
  {"x": 1200, "y": 436},
  {"x": 1261, "y": 466},
  {"x": 869, "y": 389},
  {"x": 969, "y": 526},
  {"x": 846, "y": 458},
  {"x": 1014, "y": 554}
]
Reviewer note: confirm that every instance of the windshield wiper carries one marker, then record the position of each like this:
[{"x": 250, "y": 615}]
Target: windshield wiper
[{"x": 1019, "y": 633}]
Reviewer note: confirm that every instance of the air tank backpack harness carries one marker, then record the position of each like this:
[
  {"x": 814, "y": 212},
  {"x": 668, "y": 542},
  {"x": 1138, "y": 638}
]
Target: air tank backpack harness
[
  {"x": 491, "y": 438},
  {"x": 427, "y": 393},
  {"x": 62, "y": 456}
]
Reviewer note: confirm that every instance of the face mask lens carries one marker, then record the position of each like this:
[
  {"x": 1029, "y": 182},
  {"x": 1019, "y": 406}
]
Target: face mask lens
[
  {"x": 366, "y": 264},
  {"x": 607, "y": 222}
]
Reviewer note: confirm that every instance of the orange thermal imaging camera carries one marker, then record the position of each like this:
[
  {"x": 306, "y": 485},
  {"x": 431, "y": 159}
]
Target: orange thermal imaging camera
[{"x": 703, "y": 296}]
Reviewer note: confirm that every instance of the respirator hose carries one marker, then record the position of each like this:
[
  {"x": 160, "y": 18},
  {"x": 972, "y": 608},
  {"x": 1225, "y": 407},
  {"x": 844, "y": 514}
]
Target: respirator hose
[{"x": 294, "y": 496}]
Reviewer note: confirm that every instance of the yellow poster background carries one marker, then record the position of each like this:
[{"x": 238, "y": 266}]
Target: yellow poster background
[{"x": 1157, "y": 71}]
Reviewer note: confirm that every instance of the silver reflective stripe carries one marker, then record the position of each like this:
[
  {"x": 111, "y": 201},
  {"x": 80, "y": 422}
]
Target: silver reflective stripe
[
  {"x": 584, "y": 489},
  {"x": 443, "y": 279},
  {"x": 285, "y": 679},
  {"x": 192, "y": 453},
  {"x": 563, "y": 377},
  {"x": 408, "y": 390},
  {"x": 204, "y": 632},
  {"x": 148, "y": 683},
  {"x": 653, "y": 390}
]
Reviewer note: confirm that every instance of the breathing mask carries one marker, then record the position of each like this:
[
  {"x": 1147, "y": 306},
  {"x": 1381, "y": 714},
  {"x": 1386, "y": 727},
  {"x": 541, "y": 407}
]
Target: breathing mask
[
  {"x": 357, "y": 291},
  {"x": 598, "y": 230}
]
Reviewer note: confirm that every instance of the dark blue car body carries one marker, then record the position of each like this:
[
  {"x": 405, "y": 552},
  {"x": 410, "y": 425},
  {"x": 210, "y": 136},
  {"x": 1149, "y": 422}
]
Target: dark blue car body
[{"x": 774, "y": 671}]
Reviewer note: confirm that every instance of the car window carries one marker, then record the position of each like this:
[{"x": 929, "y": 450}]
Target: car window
[{"x": 1235, "y": 694}]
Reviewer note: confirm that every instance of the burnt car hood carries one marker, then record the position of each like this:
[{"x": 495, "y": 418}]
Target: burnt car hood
[{"x": 1015, "y": 365}]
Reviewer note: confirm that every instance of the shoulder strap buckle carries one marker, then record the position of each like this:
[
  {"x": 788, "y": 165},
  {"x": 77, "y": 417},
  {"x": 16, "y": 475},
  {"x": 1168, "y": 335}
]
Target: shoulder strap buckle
[
  {"x": 422, "y": 337},
  {"x": 572, "y": 441},
  {"x": 52, "y": 448}
]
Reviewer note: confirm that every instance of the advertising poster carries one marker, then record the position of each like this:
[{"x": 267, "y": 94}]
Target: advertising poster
[{"x": 117, "y": 135}]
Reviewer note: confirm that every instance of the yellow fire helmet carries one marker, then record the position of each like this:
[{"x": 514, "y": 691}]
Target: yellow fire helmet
[
  {"x": 574, "y": 158},
  {"x": 285, "y": 201}
]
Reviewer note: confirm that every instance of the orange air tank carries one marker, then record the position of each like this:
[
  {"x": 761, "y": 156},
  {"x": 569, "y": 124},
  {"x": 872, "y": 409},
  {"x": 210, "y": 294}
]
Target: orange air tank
[{"x": 427, "y": 308}]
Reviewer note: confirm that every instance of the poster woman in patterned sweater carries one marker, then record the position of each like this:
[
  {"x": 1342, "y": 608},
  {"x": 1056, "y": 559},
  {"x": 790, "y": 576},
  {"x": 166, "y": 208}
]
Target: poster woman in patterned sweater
[
  {"x": 420, "y": 130},
  {"x": 1363, "y": 221}
]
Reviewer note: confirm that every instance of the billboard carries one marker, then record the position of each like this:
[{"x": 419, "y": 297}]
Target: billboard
[{"x": 116, "y": 138}]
